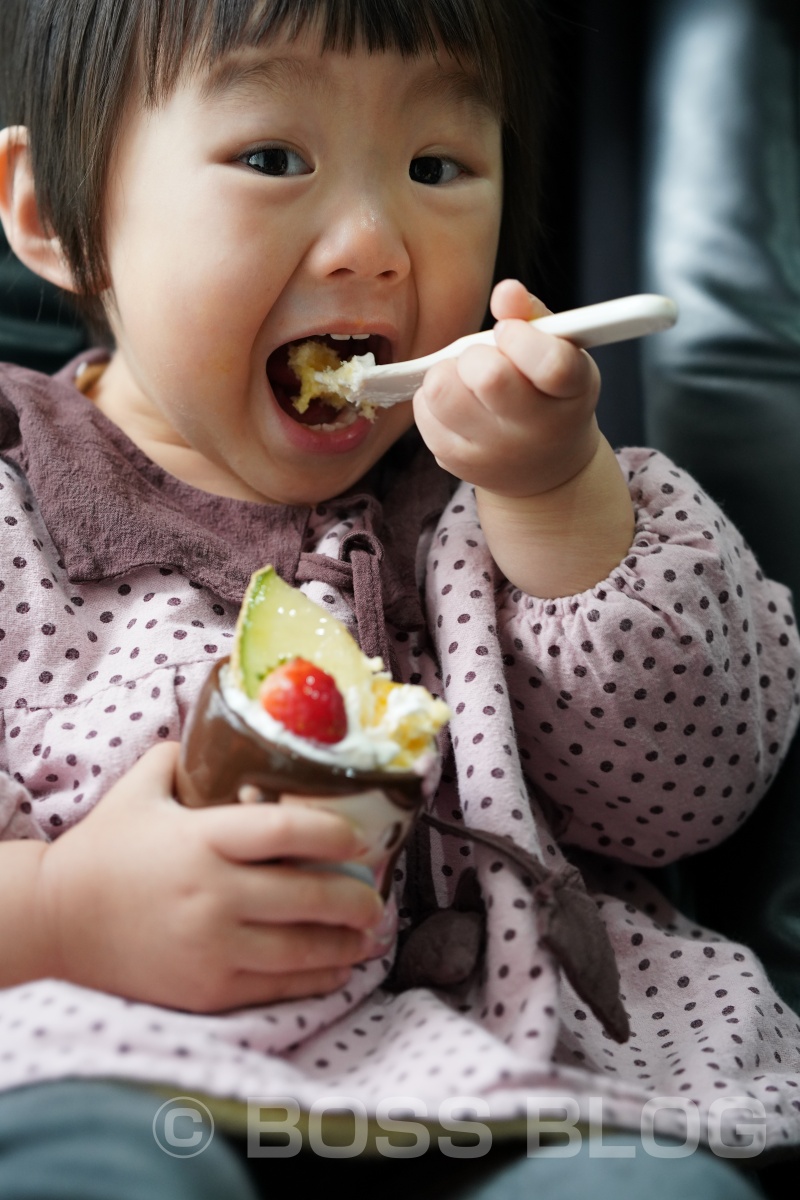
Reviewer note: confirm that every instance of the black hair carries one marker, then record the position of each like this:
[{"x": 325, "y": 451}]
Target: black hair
[{"x": 68, "y": 68}]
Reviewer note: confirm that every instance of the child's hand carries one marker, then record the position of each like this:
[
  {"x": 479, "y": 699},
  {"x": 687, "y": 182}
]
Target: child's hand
[
  {"x": 174, "y": 906},
  {"x": 517, "y": 421}
]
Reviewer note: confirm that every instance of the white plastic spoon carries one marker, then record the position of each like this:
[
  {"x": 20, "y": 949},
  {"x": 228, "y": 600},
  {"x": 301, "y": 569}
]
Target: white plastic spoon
[{"x": 364, "y": 384}]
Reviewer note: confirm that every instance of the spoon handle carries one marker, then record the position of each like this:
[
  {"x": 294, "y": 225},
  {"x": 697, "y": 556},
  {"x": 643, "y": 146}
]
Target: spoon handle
[{"x": 593, "y": 325}]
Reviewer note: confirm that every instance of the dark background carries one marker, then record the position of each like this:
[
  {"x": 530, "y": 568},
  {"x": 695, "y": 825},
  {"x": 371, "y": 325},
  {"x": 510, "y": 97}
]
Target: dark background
[{"x": 590, "y": 213}]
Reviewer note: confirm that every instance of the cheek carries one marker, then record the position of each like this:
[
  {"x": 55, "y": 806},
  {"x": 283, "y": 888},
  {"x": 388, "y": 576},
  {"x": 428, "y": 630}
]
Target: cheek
[
  {"x": 194, "y": 312},
  {"x": 460, "y": 289},
  {"x": 465, "y": 253},
  {"x": 199, "y": 259},
  {"x": 486, "y": 235}
]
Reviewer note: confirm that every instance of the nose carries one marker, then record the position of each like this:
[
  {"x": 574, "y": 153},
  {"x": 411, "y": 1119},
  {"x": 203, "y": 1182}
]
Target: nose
[{"x": 362, "y": 237}]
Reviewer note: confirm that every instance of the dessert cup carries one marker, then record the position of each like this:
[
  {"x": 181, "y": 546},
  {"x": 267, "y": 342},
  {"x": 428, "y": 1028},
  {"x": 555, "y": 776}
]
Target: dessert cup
[{"x": 225, "y": 761}]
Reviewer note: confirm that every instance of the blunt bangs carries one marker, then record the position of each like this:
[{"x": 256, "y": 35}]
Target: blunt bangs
[{"x": 199, "y": 33}]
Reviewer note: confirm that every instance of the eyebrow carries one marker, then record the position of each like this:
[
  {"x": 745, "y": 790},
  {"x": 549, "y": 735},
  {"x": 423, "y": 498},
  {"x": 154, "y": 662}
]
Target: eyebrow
[
  {"x": 234, "y": 78},
  {"x": 456, "y": 86}
]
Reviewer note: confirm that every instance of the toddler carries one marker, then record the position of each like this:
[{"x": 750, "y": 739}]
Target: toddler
[{"x": 216, "y": 182}]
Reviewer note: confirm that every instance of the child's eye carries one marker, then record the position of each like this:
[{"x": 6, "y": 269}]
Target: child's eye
[
  {"x": 276, "y": 160},
  {"x": 432, "y": 170}
]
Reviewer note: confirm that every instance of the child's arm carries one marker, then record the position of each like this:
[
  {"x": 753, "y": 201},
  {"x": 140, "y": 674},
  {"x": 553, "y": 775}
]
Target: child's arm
[
  {"x": 654, "y": 709},
  {"x": 651, "y": 712},
  {"x": 177, "y": 907},
  {"x": 518, "y": 422}
]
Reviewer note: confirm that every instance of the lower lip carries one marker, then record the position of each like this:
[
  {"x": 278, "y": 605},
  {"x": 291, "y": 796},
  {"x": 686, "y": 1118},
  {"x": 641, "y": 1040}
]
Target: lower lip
[{"x": 311, "y": 439}]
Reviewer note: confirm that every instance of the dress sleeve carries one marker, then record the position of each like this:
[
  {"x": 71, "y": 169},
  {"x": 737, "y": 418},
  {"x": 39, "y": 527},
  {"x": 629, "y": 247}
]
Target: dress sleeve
[{"x": 653, "y": 710}]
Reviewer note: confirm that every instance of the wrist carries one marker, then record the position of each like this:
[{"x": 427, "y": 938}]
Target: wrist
[
  {"x": 28, "y": 949},
  {"x": 565, "y": 540}
]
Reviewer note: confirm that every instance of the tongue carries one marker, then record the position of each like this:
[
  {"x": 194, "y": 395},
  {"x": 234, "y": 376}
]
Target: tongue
[{"x": 317, "y": 413}]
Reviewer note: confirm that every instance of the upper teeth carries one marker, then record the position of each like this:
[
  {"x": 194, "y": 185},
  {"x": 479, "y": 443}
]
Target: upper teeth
[{"x": 345, "y": 337}]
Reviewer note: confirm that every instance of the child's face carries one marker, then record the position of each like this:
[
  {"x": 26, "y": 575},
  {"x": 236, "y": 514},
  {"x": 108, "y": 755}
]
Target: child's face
[{"x": 294, "y": 194}]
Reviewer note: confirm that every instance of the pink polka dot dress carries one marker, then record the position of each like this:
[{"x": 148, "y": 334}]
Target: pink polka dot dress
[{"x": 626, "y": 727}]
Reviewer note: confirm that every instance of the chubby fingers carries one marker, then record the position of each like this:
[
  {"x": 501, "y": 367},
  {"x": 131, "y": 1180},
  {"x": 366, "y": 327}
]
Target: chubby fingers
[
  {"x": 296, "y": 892},
  {"x": 246, "y": 986},
  {"x": 510, "y": 299},
  {"x": 554, "y": 366},
  {"x": 251, "y": 833},
  {"x": 282, "y": 949},
  {"x": 152, "y": 776},
  {"x": 526, "y": 371},
  {"x": 515, "y": 419},
  {"x": 293, "y": 894},
  {"x": 269, "y": 963},
  {"x": 256, "y": 987}
]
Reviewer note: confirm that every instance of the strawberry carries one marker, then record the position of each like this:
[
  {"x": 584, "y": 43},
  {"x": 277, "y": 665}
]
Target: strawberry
[{"x": 306, "y": 700}]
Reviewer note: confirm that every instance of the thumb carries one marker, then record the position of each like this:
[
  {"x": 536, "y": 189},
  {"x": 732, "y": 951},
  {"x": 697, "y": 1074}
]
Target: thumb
[
  {"x": 152, "y": 777},
  {"x": 511, "y": 300}
]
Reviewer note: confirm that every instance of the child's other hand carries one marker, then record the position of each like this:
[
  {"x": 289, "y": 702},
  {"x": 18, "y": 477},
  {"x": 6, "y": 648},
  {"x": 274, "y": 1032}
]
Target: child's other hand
[
  {"x": 516, "y": 420},
  {"x": 177, "y": 906}
]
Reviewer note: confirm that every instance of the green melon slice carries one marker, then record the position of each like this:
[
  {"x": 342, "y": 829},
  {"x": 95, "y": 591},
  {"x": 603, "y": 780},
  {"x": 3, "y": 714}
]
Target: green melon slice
[{"x": 277, "y": 622}]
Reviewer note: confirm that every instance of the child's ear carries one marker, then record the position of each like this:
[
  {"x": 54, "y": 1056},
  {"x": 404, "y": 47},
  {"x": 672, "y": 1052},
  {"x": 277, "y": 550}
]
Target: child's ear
[{"x": 27, "y": 235}]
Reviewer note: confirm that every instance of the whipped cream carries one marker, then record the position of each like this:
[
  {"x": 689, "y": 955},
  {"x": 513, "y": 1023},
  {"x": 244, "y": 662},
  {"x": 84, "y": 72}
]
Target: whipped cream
[{"x": 383, "y": 745}]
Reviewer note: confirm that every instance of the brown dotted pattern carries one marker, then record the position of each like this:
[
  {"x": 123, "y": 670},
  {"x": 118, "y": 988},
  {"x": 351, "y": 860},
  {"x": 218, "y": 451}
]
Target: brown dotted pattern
[
  {"x": 663, "y": 698},
  {"x": 91, "y": 675},
  {"x": 608, "y": 704}
]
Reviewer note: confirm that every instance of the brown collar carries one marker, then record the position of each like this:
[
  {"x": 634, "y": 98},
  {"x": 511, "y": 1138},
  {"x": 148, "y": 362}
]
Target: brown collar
[{"x": 109, "y": 509}]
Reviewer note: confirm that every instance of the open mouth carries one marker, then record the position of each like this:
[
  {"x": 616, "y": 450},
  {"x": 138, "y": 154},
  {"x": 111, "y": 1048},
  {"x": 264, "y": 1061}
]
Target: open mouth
[{"x": 321, "y": 411}]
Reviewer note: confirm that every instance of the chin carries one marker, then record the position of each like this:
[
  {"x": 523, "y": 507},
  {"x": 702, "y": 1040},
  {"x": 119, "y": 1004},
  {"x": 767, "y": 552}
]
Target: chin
[{"x": 312, "y": 494}]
